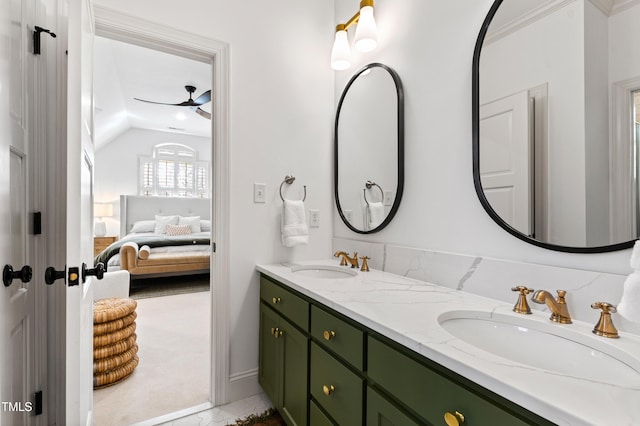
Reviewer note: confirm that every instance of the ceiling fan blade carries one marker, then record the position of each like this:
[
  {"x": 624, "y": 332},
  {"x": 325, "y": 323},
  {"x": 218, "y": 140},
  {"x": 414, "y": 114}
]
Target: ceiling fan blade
[
  {"x": 203, "y": 99},
  {"x": 203, "y": 113},
  {"x": 162, "y": 103}
]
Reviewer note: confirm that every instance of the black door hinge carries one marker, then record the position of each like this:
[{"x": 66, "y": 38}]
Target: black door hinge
[
  {"x": 37, "y": 223},
  {"x": 37, "y": 403},
  {"x": 213, "y": 247}
]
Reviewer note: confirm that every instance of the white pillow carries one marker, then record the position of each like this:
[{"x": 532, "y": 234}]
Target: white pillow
[
  {"x": 173, "y": 230},
  {"x": 163, "y": 221},
  {"x": 192, "y": 221},
  {"x": 144, "y": 226},
  {"x": 205, "y": 225}
]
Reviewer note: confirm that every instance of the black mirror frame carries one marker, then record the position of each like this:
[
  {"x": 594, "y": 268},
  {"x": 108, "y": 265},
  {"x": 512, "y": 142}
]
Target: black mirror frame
[
  {"x": 400, "y": 165},
  {"x": 475, "y": 73}
]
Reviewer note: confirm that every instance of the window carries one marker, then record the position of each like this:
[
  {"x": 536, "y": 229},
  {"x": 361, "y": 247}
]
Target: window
[{"x": 173, "y": 171}]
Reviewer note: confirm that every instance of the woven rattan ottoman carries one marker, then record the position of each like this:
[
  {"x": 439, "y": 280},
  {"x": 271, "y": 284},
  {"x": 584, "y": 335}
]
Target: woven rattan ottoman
[{"x": 114, "y": 341}]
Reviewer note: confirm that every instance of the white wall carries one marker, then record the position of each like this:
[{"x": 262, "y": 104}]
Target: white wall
[
  {"x": 117, "y": 168},
  {"x": 281, "y": 98},
  {"x": 430, "y": 43}
]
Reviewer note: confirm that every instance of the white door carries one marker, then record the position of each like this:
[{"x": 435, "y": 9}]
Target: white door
[
  {"x": 506, "y": 159},
  {"x": 18, "y": 342},
  {"x": 79, "y": 218}
]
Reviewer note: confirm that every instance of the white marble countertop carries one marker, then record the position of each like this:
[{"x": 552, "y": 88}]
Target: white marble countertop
[{"x": 407, "y": 311}]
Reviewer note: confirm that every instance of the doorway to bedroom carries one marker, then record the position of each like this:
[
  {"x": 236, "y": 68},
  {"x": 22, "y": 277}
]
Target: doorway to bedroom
[{"x": 153, "y": 192}]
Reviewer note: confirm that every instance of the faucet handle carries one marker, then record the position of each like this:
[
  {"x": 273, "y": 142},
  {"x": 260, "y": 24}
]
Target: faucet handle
[
  {"x": 522, "y": 306},
  {"x": 365, "y": 263},
  {"x": 604, "y": 326},
  {"x": 561, "y": 294}
]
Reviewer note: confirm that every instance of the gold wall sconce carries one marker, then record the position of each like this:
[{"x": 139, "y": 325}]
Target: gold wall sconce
[{"x": 365, "y": 39}]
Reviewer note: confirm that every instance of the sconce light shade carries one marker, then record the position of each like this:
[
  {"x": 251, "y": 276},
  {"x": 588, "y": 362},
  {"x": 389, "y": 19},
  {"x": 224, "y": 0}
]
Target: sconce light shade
[
  {"x": 341, "y": 53},
  {"x": 366, "y": 38}
]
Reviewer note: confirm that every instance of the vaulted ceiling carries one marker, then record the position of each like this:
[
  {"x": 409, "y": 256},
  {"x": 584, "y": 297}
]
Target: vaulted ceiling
[{"x": 123, "y": 72}]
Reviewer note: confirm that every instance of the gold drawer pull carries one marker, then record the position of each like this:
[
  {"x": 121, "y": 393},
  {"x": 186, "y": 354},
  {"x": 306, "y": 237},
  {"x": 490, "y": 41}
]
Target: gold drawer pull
[
  {"x": 328, "y": 335},
  {"x": 277, "y": 333},
  {"x": 453, "y": 419},
  {"x": 328, "y": 390},
  {"x": 276, "y": 300}
]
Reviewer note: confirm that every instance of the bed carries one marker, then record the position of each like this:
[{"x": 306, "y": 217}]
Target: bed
[{"x": 161, "y": 236}]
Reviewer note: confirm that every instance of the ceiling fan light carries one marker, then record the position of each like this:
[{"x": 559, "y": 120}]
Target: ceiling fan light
[
  {"x": 366, "y": 38},
  {"x": 340, "y": 53}
]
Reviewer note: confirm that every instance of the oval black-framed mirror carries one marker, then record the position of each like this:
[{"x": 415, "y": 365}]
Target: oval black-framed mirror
[
  {"x": 369, "y": 149},
  {"x": 574, "y": 195}
]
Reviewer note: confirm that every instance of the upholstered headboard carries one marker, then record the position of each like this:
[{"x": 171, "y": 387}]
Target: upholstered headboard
[{"x": 134, "y": 208}]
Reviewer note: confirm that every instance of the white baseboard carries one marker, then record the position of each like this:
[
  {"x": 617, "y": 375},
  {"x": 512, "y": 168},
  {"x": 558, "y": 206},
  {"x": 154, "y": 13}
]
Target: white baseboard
[{"x": 243, "y": 385}]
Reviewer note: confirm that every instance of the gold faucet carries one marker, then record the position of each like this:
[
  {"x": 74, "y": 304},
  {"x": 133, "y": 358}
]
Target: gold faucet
[
  {"x": 559, "y": 310},
  {"x": 346, "y": 260},
  {"x": 605, "y": 326}
]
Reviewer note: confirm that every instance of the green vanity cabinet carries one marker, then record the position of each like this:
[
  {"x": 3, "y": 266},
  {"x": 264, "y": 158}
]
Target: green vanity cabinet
[
  {"x": 322, "y": 368},
  {"x": 430, "y": 391},
  {"x": 381, "y": 412},
  {"x": 283, "y": 363},
  {"x": 335, "y": 387}
]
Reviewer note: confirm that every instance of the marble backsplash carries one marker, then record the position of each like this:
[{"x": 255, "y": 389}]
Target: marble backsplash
[{"x": 494, "y": 278}]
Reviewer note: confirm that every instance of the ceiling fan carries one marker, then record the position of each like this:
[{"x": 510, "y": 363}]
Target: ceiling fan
[{"x": 193, "y": 104}]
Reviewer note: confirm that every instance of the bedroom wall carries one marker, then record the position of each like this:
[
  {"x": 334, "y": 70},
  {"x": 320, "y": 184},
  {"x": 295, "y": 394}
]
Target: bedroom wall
[
  {"x": 116, "y": 168},
  {"x": 281, "y": 114}
]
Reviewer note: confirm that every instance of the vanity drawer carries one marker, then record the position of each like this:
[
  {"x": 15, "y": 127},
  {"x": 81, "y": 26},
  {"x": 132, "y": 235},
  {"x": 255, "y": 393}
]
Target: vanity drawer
[
  {"x": 428, "y": 393},
  {"x": 336, "y": 335},
  {"x": 335, "y": 388},
  {"x": 317, "y": 417},
  {"x": 381, "y": 412},
  {"x": 285, "y": 302}
]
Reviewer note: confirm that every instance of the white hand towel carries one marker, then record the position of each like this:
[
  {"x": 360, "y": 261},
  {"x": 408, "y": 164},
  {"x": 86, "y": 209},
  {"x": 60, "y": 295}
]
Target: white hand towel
[
  {"x": 376, "y": 214},
  {"x": 629, "y": 306},
  {"x": 294, "y": 224}
]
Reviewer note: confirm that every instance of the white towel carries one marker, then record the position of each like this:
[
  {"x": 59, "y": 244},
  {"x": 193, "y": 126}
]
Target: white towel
[
  {"x": 376, "y": 214},
  {"x": 294, "y": 224},
  {"x": 629, "y": 306}
]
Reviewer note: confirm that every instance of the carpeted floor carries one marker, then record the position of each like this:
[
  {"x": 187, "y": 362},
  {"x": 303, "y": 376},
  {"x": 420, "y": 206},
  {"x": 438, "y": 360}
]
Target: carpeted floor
[
  {"x": 168, "y": 286},
  {"x": 173, "y": 374}
]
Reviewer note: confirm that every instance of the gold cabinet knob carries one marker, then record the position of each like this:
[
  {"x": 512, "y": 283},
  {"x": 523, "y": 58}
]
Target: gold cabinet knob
[
  {"x": 328, "y": 390},
  {"x": 277, "y": 333},
  {"x": 453, "y": 419},
  {"x": 276, "y": 300},
  {"x": 328, "y": 335}
]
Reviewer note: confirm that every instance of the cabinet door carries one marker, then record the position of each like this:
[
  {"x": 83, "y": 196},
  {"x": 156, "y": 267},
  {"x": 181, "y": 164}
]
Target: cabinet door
[
  {"x": 381, "y": 412},
  {"x": 336, "y": 388},
  {"x": 269, "y": 356},
  {"x": 293, "y": 407}
]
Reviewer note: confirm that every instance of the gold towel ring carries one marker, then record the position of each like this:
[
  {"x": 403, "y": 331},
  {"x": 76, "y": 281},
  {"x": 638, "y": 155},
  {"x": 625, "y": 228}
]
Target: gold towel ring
[{"x": 288, "y": 179}]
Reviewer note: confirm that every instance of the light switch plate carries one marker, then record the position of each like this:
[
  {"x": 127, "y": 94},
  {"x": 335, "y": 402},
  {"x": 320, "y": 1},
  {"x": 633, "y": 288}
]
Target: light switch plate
[
  {"x": 348, "y": 214},
  {"x": 259, "y": 195},
  {"x": 314, "y": 218},
  {"x": 388, "y": 198}
]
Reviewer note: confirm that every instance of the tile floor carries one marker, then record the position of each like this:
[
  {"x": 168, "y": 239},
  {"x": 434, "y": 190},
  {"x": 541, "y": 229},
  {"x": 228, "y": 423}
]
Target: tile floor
[{"x": 225, "y": 414}]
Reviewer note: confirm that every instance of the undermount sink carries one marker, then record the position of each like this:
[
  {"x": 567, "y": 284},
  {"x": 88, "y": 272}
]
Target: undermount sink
[
  {"x": 324, "y": 271},
  {"x": 551, "y": 347}
]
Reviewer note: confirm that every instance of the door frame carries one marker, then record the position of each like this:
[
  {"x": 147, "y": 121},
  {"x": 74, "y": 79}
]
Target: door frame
[{"x": 130, "y": 29}]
